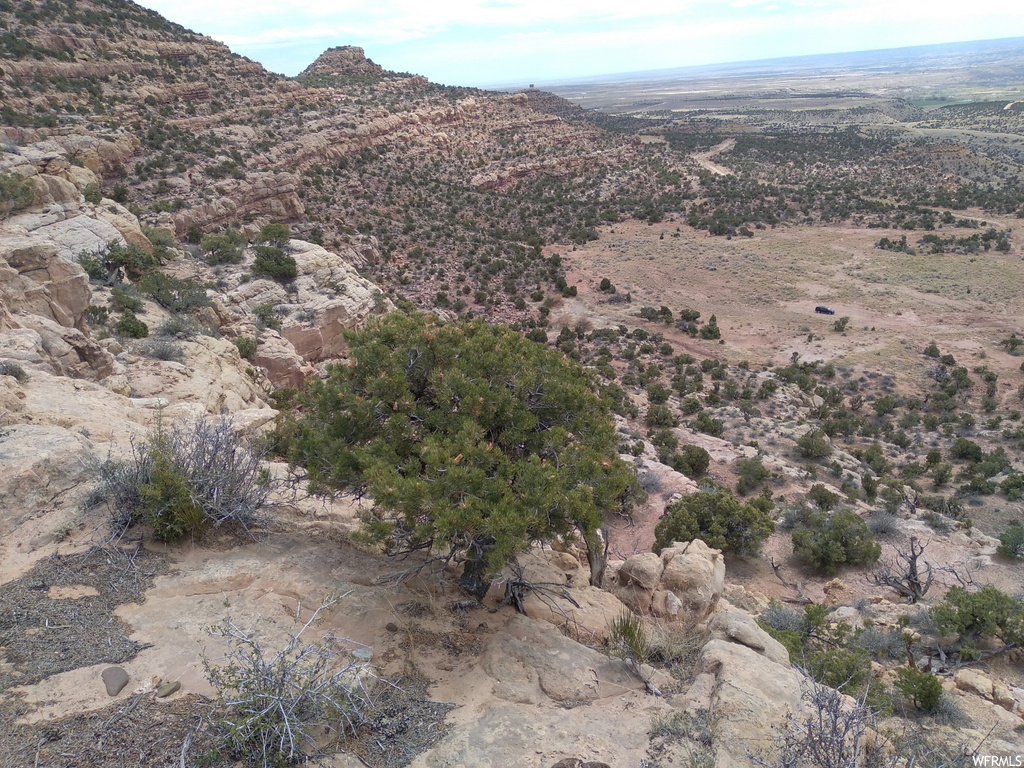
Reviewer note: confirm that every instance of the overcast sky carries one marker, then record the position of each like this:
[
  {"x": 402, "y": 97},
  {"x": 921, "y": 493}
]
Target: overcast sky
[{"x": 516, "y": 42}]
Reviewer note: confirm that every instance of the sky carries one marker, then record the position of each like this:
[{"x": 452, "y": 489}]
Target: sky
[{"x": 518, "y": 42}]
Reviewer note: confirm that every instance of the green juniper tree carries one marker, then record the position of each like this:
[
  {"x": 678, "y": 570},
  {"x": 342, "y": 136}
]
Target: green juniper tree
[{"x": 472, "y": 440}]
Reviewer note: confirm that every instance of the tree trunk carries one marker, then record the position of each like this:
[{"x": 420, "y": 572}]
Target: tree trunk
[
  {"x": 475, "y": 578},
  {"x": 597, "y": 556}
]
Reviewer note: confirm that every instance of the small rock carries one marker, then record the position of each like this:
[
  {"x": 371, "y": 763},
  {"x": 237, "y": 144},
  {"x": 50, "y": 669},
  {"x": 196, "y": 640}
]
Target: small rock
[
  {"x": 115, "y": 679},
  {"x": 391, "y": 626},
  {"x": 363, "y": 654},
  {"x": 1002, "y": 696},
  {"x": 167, "y": 689}
]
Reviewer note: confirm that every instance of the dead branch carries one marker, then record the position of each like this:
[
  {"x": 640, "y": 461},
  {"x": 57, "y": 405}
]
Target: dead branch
[
  {"x": 904, "y": 574},
  {"x": 798, "y": 587}
]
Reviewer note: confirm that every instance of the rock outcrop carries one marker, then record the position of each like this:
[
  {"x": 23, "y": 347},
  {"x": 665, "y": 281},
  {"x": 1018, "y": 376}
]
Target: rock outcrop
[
  {"x": 343, "y": 60},
  {"x": 685, "y": 581},
  {"x": 327, "y": 298},
  {"x": 40, "y": 464}
]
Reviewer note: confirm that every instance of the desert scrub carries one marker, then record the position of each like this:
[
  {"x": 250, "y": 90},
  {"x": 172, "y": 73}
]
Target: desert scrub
[
  {"x": 825, "y": 541},
  {"x": 163, "y": 349},
  {"x": 130, "y": 327},
  {"x": 247, "y": 346},
  {"x": 988, "y": 612},
  {"x": 922, "y": 689},
  {"x": 1011, "y": 541},
  {"x": 15, "y": 371},
  {"x": 271, "y": 709},
  {"x": 696, "y": 730},
  {"x": 718, "y": 518},
  {"x": 274, "y": 263},
  {"x": 184, "y": 480}
]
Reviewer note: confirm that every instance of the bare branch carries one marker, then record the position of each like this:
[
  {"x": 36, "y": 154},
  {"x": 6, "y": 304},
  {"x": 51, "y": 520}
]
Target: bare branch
[
  {"x": 798, "y": 587},
  {"x": 904, "y": 574},
  {"x": 268, "y": 705}
]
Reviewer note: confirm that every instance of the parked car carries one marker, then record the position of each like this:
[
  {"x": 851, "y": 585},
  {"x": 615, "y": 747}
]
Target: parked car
[{"x": 823, "y": 310}]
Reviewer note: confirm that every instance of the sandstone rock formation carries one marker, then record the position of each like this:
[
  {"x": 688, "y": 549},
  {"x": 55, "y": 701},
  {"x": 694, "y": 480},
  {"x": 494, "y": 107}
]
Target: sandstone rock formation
[
  {"x": 685, "y": 581},
  {"x": 345, "y": 59}
]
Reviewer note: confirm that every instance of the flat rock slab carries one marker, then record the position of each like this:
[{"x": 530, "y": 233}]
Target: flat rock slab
[
  {"x": 514, "y": 736},
  {"x": 115, "y": 679},
  {"x": 532, "y": 661}
]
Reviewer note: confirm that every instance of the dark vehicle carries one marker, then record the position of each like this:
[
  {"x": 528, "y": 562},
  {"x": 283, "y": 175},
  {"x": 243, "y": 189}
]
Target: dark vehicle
[{"x": 822, "y": 310}]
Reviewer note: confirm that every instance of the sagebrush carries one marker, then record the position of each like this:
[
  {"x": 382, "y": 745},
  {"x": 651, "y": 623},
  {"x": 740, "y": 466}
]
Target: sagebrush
[{"x": 183, "y": 480}]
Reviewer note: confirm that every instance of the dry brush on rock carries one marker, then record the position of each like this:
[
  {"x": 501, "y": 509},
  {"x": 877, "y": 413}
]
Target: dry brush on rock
[{"x": 186, "y": 479}]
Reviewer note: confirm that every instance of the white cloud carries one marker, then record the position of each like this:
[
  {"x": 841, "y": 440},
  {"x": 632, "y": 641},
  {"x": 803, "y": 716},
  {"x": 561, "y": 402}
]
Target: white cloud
[{"x": 449, "y": 39}]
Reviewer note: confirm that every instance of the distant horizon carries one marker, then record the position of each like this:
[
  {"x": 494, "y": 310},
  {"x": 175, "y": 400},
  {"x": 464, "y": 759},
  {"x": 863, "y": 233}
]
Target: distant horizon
[
  {"x": 681, "y": 70},
  {"x": 498, "y": 43}
]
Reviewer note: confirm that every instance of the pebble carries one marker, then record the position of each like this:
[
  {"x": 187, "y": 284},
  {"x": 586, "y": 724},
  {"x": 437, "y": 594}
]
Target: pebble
[
  {"x": 391, "y": 626},
  {"x": 167, "y": 689},
  {"x": 115, "y": 679},
  {"x": 363, "y": 654}
]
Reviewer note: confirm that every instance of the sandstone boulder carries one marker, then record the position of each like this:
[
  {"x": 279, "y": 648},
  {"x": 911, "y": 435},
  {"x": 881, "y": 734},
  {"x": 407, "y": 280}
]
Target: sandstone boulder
[
  {"x": 35, "y": 280},
  {"x": 973, "y": 681},
  {"x": 68, "y": 351},
  {"x": 643, "y": 570},
  {"x": 531, "y": 661},
  {"x": 730, "y": 623},
  {"x": 748, "y": 693},
  {"x": 564, "y": 596},
  {"x": 695, "y": 573},
  {"x": 284, "y": 366}
]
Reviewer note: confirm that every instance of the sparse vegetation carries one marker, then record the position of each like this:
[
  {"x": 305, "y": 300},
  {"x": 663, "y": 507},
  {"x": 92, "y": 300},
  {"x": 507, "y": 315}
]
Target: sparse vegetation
[
  {"x": 922, "y": 689},
  {"x": 273, "y": 708},
  {"x": 183, "y": 480},
  {"x": 827, "y": 540},
  {"x": 718, "y": 518},
  {"x": 12, "y": 369}
]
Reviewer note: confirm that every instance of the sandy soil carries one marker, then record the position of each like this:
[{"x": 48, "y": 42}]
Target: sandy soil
[{"x": 763, "y": 291}]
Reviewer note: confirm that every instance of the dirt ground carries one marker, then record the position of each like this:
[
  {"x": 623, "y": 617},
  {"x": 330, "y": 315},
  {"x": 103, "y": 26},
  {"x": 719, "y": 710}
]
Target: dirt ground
[{"x": 763, "y": 291}]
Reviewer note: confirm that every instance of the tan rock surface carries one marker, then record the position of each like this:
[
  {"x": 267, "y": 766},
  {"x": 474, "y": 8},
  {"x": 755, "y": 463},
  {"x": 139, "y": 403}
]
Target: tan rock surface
[
  {"x": 730, "y": 623},
  {"x": 40, "y": 464},
  {"x": 696, "y": 574},
  {"x": 748, "y": 694}
]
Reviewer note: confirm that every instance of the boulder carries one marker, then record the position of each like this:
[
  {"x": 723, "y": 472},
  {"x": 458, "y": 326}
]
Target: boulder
[
  {"x": 586, "y": 611},
  {"x": 749, "y": 694},
  {"x": 730, "y": 623},
  {"x": 643, "y": 570},
  {"x": 68, "y": 351},
  {"x": 531, "y": 661},
  {"x": 695, "y": 573},
  {"x": 34, "y": 279},
  {"x": 114, "y": 680},
  {"x": 283, "y": 365},
  {"x": 973, "y": 681},
  {"x": 665, "y": 604}
]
